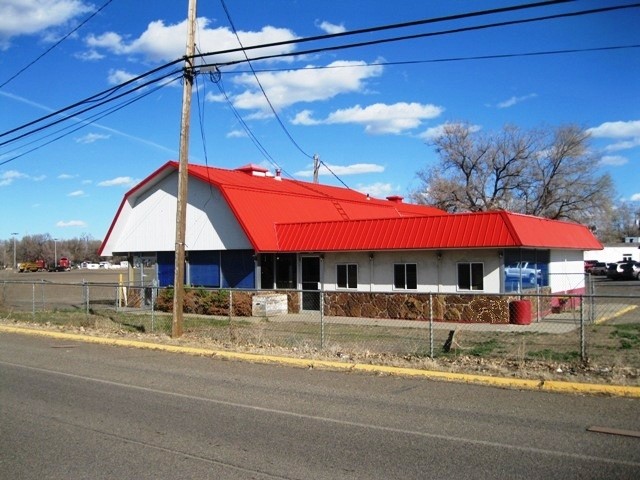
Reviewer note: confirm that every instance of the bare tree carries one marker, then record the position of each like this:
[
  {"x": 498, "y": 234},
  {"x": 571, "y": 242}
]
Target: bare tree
[{"x": 544, "y": 172}]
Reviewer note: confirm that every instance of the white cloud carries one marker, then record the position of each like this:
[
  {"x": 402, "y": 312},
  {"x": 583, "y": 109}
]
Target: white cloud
[
  {"x": 213, "y": 98},
  {"x": 118, "y": 182},
  {"x": 635, "y": 197},
  {"x": 237, "y": 134},
  {"x": 306, "y": 85},
  {"x": 434, "y": 132},
  {"x": 92, "y": 137},
  {"x": 626, "y": 134},
  {"x": 379, "y": 118},
  {"x": 66, "y": 176},
  {"x": 116, "y": 77},
  {"x": 10, "y": 176},
  {"x": 617, "y": 130},
  {"x": 613, "y": 160},
  {"x": 71, "y": 223},
  {"x": 160, "y": 42},
  {"x": 89, "y": 56},
  {"x": 343, "y": 170},
  {"x": 515, "y": 100},
  {"x": 29, "y": 17},
  {"x": 378, "y": 189},
  {"x": 623, "y": 145},
  {"x": 77, "y": 193},
  {"x": 329, "y": 27}
]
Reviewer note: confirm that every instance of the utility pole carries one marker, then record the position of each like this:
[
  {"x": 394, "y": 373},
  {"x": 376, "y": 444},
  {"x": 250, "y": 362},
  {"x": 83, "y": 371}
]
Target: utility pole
[
  {"x": 14, "y": 234},
  {"x": 316, "y": 167},
  {"x": 183, "y": 175}
]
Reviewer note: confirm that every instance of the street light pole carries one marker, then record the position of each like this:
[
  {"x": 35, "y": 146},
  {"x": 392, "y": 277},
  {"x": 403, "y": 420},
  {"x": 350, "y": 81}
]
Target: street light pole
[{"x": 14, "y": 250}]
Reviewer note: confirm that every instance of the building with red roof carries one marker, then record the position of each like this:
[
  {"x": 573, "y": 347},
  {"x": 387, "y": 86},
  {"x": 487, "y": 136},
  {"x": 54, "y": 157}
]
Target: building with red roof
[{"x": 248, "y": 228}]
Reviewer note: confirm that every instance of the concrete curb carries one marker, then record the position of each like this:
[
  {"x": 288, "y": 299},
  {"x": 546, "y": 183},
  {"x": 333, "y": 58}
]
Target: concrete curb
[{"x": 502, "y": 382}]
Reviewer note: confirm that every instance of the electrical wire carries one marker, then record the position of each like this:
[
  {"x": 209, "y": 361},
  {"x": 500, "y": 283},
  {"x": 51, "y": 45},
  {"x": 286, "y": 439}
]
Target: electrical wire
[
  {"x": 87, "y": 109},
  {"x": 26, "y": 67},
  {"x": 93, "y": 98},
  {"x": 109, "y": 94},
  {"x": 89, "y": 121},
  {"x": 443, "y": 60},
  {"x": 397, "y": 26},
  {"x": 264, "y": 93},
  {"x": 416, "y": 36}
]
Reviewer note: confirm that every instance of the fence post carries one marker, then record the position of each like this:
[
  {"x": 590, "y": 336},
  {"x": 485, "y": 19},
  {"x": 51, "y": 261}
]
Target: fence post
[
  {"x": 321, "y": 319},
  {"x": 583, "y": 345},
  {"x": 230, "y": 304},
  {"x": 431, "y": 325},
  {"x": 154, "y": 295},
  {"x": 85, "y": 288}
]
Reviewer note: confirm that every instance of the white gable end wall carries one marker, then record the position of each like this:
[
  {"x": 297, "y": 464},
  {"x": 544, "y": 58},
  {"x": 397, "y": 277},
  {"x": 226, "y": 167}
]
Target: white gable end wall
[{"x": 147, "y": 221}]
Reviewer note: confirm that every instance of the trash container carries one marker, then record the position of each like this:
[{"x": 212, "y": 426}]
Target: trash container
[{"x": 520, "y": 312}]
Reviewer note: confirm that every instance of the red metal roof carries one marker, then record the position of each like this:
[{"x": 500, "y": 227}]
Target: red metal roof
[
  {"x": 466, "y": 230},
  {"x": 294, "y": 216},
  {"x": 260, "y": 202}
]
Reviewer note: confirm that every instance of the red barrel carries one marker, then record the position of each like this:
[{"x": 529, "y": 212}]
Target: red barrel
[{"x": 520, "y": 312}]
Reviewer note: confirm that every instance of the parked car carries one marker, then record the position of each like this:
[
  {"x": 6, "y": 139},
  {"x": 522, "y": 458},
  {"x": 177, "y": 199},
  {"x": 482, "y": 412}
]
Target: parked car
[
  {"x": 629, "y": 270},
  {"x": 523, "y": 270},
  {"x": 588, "y": 265},
  {"x": 600, "y": 268}
]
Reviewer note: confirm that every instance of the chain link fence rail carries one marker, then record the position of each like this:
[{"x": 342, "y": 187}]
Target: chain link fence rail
[{"x": 588, "y": 328}]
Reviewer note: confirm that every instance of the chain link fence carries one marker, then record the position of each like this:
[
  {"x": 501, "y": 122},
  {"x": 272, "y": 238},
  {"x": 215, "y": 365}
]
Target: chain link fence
[{"x": 582, "y": 329}]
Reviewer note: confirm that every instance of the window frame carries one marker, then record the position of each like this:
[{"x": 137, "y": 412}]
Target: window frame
[
  {"x": 405, "y": 276},
  {"x": 470, "y": 265},
  {"x": 350, "y": 272}
]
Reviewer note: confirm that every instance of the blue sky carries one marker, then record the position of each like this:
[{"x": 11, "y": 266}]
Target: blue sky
[{"x": 368, "y": 112}]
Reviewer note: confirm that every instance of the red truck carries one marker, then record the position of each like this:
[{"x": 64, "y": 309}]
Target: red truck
[{"x": 64, "y": 265}]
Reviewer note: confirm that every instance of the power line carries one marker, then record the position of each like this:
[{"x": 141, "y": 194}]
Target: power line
[
  {"x": 86, "y": 122},
  {"x": 109, "y": 94},
  {"x": 93, "y": 98},
  {"x": 394, "y": 26},
  {"x": 80, "y": 112},
  {"x": 419, "y": 35},
  {"x": 264, "y": 93},
  {"x": 446, "y": 59},
  {"x": 23, "y": 69}
]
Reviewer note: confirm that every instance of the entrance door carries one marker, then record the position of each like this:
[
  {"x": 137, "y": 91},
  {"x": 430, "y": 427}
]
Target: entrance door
[{"x": 310, "y": 283}]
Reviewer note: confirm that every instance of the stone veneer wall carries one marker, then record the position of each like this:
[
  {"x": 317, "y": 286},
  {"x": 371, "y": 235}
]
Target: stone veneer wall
[{"x": 468, "y": 308}]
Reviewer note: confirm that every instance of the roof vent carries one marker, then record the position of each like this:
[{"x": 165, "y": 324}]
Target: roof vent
[
  {"x": 253, "y": 169},
  {"x": 278, "y": 174},
  {"x": 395, "y": 198}
]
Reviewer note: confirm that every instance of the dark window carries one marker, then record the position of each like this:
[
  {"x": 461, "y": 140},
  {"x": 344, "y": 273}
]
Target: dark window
[
  {"x": 278, "y": 270},
  {"x": 470, "y": 276},
  {"x": 238, "y": 269},
  {"x": 347, "y": 275},
  {"x": 405, "y": 276},
  {"x": 525, "y": 269}
]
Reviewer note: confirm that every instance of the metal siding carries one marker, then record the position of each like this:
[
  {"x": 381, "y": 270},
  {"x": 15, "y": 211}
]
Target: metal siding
[
  {"x": 204, "y": 269},
  {"x": 166, "y": 268}
]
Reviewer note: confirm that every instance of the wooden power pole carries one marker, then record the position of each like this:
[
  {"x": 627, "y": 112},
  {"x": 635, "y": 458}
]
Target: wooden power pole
[{"x": 183, "y": 175}]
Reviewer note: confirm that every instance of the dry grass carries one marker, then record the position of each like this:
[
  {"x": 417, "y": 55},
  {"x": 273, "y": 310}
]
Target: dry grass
[{"x": 614, "y": 350}]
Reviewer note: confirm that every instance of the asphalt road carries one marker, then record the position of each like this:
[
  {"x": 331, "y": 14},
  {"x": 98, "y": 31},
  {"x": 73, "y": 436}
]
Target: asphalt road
[{"x": 74, "y": 410}]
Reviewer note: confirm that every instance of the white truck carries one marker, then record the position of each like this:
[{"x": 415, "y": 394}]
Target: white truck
[{"x": 523, "y": 270}]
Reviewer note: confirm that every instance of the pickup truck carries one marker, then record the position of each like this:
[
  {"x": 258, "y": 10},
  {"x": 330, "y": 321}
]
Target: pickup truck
[{"x": 523, "y": 270}]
